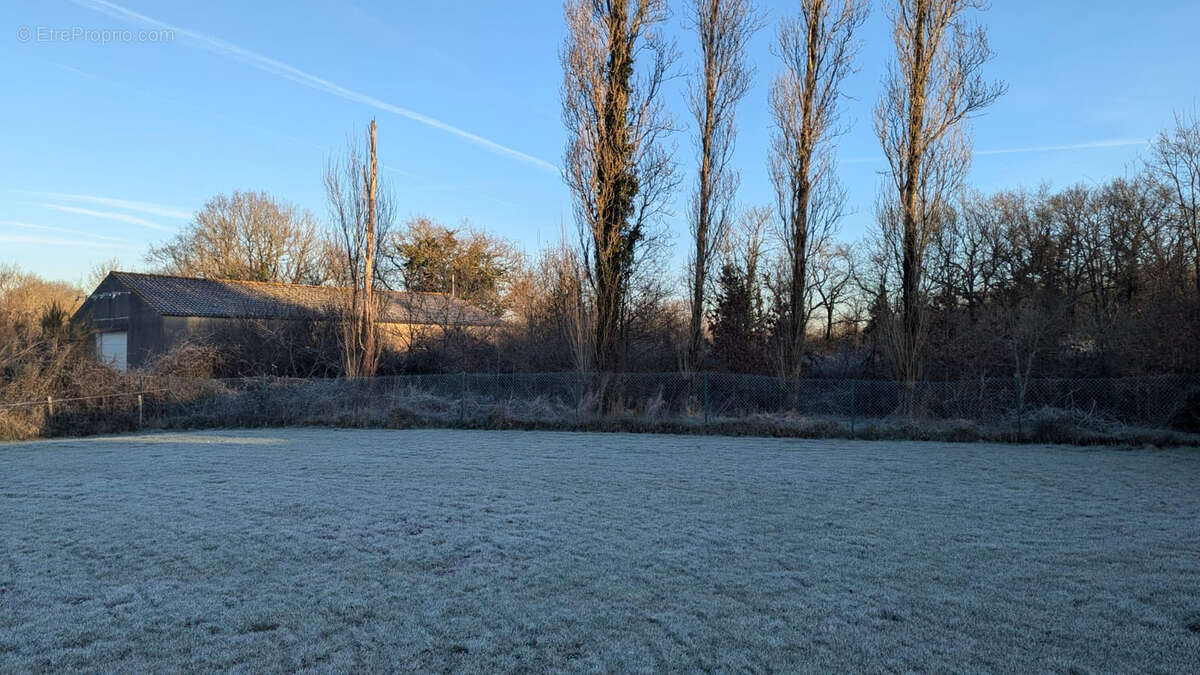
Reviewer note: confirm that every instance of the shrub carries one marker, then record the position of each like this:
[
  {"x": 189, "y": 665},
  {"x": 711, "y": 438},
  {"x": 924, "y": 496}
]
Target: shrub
[
  {"x": 187, "y": 360},
  {"x": 1187, "y": 417},
  {"x": 48, "y": 357},
  {"x": 1051, "y": 425}
]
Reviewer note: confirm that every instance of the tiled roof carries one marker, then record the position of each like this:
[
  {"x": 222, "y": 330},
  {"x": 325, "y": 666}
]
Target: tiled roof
[{"x": 184, "y": 296}]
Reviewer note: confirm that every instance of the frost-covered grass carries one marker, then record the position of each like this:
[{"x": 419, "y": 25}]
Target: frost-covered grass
[{"x": 497, "y": 551}]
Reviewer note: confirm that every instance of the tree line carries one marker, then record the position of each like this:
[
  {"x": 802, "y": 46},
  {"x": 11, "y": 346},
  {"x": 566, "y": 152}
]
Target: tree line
[{"x": 1089, "y": 280}]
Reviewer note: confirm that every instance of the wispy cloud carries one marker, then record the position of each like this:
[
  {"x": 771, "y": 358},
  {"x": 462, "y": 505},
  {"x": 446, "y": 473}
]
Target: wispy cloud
[
  {"x": 123, "y": 204},
  {"x": 228, "y": 119},
  {"x": 62, "y": 230},
  {"x": 269, "y": 65},
  {"x": 1090, "y": 145},
  {"x": 58, "y": 241},
  {"x": 109, "y": 215}
]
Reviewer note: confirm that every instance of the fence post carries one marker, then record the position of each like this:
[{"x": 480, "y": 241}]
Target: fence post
[
  {"x": 853, "y": 406},
  {"x": 706, "y": 399},
  {"x": 462, "y": 396},
  {"x": 578, "y": 396},
  {"x": 1020, "y": 406},
  {"x": 501, "y": 401},
  {"x": 50, "y": 405}
]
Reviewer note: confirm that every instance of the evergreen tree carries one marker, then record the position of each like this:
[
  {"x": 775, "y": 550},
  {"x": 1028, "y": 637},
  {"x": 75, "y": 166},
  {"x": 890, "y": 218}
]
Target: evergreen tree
[{"x": 736, "y": 325}]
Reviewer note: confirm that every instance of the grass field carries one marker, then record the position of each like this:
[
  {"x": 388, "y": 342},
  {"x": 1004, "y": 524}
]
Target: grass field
[{"x": 501, "y": 551}]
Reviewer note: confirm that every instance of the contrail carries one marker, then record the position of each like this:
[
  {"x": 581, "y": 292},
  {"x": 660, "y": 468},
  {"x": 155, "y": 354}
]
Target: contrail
[
  {"x": 109, "y": 215},
  {"x": 55, "y": 241},
  {"x": 63, "y": 230},
  {"x": 298, "y": 76},
  {"x": 140, "y": 207}
]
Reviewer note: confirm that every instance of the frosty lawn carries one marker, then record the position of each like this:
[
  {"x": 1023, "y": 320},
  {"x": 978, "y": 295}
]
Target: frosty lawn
[{"x": 498, "y": 551}]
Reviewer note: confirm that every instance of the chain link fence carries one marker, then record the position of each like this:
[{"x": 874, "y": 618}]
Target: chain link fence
[{"x": 583, "y": 399}]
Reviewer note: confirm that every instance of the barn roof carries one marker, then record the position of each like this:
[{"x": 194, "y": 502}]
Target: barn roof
[{"x": 215, "y": 298}]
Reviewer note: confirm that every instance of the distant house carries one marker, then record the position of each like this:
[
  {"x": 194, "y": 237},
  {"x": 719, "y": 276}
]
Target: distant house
[{"x": 136, "y": 316}]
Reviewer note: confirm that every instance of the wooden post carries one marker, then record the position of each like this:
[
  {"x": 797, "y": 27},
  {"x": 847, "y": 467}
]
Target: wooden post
[
  {"x": 141, "y": 391},
  {"x": 706, "y": 405},
  {"x": 50, "y": 405},
  {"x": 370, "y": 357}
]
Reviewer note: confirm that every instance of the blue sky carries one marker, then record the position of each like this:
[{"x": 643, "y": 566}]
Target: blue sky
[{"x": 109, "y": 147}]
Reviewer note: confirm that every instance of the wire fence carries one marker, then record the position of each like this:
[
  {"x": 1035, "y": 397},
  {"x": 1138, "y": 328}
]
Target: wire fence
[{"x": 565, "y": 398}]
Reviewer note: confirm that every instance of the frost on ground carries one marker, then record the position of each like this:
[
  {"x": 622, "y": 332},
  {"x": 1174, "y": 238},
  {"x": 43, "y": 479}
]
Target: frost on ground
[{"x": 498, "y": 551}]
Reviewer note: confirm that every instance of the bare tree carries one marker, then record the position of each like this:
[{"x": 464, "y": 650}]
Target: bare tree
[
  {"x": 745, "y": 246},
  {"x": 245, "y": 236},
  {"x": 1175, "y": 161},
  {"x": 833, "y": 271},
  {"x": 724, "y": 27},
  {"x": 931, "y": 88},
  {"x": 817, "y": 48},
  {"x": 96, "y": 273},
  {"x": 24, "y": 296},
  {"x": 569, "y": 304},
  {"x": 362, "y": 216},
  {"x": 619, "y": 173}
]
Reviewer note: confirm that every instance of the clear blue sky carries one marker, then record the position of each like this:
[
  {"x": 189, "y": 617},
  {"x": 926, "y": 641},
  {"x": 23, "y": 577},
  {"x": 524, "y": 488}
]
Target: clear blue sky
[{"x": 108, "y": 147}]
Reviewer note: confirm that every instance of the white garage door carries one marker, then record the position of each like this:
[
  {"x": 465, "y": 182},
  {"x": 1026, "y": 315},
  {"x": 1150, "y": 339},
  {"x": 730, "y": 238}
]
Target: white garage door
[{"x": 110, "y": 349}]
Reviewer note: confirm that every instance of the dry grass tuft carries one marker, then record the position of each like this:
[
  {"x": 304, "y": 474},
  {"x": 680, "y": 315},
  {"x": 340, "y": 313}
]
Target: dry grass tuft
[{"x": 189, "y": 403}]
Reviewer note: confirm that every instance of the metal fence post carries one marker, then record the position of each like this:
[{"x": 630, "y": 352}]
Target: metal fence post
[
  {"x": 1020, "y": 406},
  {"x": 853, "y": 407},
  {"x": 500, "y": 404},
  {"x": 578, "y": 396},
  {"x": 462, "y": 396},
  {"x": 707, "y": 407}
]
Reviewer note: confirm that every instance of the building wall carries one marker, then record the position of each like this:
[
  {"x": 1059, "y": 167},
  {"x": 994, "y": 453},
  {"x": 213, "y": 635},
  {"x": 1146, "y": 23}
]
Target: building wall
[
  {"x": 113, "y": 307},
  {"x": 180, "y": 329},
  {"x": 145, "y": 333},
  {"x": 402, "y": 336},
  {"x": 398, "y": 336}
]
